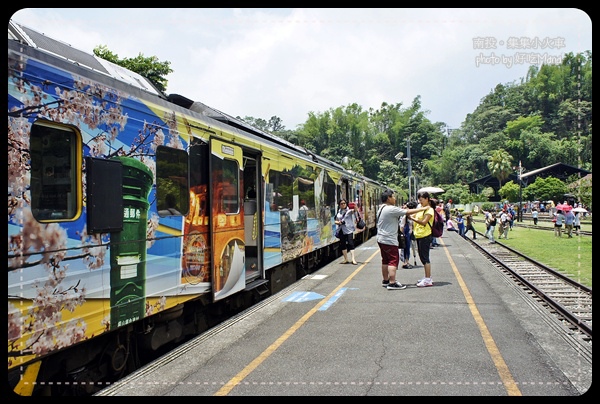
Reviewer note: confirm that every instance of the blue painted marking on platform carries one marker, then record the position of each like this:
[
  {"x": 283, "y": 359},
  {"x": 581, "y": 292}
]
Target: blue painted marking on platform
[
  {"x": 303, "y": 297},
  {"x": 333, "y": 299}
]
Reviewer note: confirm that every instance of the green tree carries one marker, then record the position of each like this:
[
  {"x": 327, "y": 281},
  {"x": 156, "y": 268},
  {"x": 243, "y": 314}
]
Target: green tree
[
  {"x": 509, "y": 191},
  {"x": 389, "y": 175},
  {"x": 458, "y": 193},
  {"x": 258, "y": 123},
  {"x": 378, "y": 153},
  {"x": 353, "y": 164},
  {"x": 582, "y": 189},
  {"x": 500, "y": 165},
  {"x": 275, "y": 124},
  {"x": 515, "y": 128},
  {"x": 539, "y": 148},
  {"x": 544, "y": 189}
]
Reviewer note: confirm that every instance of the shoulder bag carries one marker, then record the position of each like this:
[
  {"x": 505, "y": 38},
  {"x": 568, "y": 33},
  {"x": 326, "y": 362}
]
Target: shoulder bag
[
  {"x": 401, "y": 239},
  {"x": 361, "y": 223}
]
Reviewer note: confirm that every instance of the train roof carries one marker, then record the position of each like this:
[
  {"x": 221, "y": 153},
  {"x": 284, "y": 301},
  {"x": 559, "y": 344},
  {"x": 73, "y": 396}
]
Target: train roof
[
  {"x": 33, "y": 38},
  {"x": 220, "y": 116}
]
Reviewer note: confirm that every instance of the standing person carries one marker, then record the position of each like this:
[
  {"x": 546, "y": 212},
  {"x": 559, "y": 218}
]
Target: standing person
[
  {"x": 470, "y": 226},
  {"x": 439, "y": 208},
  {"x": 491, "y": 223},
  {"x": 447, "y": 208},
  {"x": 534, "y": 215},
  {"x": 505, "y": 220},
  {"x": 502, "y": 222},
  {"x": 487, "y": 215},
  {"x": 346, "y": 218},
  {"x": 460, "y": 222},
  {"x": 569, "y": 221},
  {"x": 511, "y": 216},
  {"x": 577, "y": 223},
  {"x": 388, "y": 217},
  {"x": 558, "y": 222},
  {"x": 406, "y": 224},
  {"x": 423, "y": 223}
]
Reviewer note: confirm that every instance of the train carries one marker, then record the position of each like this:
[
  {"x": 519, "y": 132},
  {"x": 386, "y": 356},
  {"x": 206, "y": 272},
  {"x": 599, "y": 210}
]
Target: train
[{"x": 138, "y": 219}]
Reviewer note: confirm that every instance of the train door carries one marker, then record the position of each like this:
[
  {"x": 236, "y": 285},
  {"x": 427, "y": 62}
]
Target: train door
[
  {"x": 253, "y": 222},
  {"x": 196, "y": 261},
  {"x": 227, "y": 212}
]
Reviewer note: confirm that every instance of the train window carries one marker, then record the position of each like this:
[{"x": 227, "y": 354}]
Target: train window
[
  {"x": 231, "y": 181},
  {"x": 172, "y": 185},
  {"x": 199, "y": 154},
  {"x": 283, "y": 189},
  {"x": 55, "y": 171},
  {"x": 306, "y": 192},
  {"x": 329, "y": 191}
]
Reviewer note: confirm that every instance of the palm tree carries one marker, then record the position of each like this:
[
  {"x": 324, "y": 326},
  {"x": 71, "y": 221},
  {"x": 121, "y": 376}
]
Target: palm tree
[{"x": 500, "y": 165}]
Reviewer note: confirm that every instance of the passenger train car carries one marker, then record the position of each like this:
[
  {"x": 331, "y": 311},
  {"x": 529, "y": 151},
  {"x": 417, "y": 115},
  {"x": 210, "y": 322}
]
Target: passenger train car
[{"x": 137, "y": 219}]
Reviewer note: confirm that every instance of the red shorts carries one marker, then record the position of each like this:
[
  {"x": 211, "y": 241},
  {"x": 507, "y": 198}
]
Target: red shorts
[{"x": 390, "y": 255}]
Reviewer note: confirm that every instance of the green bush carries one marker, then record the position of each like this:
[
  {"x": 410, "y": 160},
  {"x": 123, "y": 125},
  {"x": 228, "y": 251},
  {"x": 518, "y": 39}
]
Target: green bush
[{"x": 489, "y": 206}]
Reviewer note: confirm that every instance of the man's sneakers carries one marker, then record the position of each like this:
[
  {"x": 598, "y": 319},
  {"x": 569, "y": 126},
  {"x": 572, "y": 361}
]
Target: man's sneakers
[
  {"x": 422, "y": 283},
  {"x": 425, "y": 282},
  {"x": 395, "y": 286}
]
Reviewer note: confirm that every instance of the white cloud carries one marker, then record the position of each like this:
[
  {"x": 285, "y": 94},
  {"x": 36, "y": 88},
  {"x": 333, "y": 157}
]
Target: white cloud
[{"x": 289, "y": 62}]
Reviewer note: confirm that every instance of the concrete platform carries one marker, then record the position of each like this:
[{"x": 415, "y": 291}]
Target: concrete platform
[{"x": 338, "y": 332}]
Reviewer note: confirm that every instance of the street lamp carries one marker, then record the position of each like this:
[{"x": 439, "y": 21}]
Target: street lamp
[
  {"x": 412, "y": 182},
  {"x": 410, "y": 176},
  {"x": 399, "y": 157}
]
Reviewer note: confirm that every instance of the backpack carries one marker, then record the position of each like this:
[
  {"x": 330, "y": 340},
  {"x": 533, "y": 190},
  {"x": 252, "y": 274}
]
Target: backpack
[{"x": 438, "y": 224}]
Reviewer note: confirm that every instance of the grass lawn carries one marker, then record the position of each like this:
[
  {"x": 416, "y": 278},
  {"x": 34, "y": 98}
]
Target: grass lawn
[{"x": 571, "y": 256}]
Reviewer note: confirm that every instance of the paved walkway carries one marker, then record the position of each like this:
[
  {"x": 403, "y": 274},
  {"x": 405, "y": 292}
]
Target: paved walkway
[{"x": 338, "y": 332}]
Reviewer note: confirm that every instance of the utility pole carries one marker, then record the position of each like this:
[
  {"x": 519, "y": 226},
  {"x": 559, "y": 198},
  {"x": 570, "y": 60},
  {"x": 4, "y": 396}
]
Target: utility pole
[
  {"x": 411, "y": 188},
  {"x": 520, "y": 214}
]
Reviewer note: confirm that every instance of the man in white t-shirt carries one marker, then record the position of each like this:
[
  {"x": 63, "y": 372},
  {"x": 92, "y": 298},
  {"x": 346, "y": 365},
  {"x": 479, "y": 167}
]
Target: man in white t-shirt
[{"x": 388, "y": 217}]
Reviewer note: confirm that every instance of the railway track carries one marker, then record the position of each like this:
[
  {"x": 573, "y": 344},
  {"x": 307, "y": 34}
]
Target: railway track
[
  {"x": 549, "y": 228},
  {"x": 543, "y": 225},
  {"x": 564, "y": 297}
]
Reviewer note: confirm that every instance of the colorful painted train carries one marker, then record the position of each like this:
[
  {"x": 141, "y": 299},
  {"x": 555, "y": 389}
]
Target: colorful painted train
[{"x": 138, "y": 219}]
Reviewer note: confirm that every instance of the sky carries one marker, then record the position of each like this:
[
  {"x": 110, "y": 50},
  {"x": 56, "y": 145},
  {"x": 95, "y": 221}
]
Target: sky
[{"x": 289, "y": 62}]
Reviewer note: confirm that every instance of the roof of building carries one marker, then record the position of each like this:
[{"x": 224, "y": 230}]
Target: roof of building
[{"x": 558, "y": 170}]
